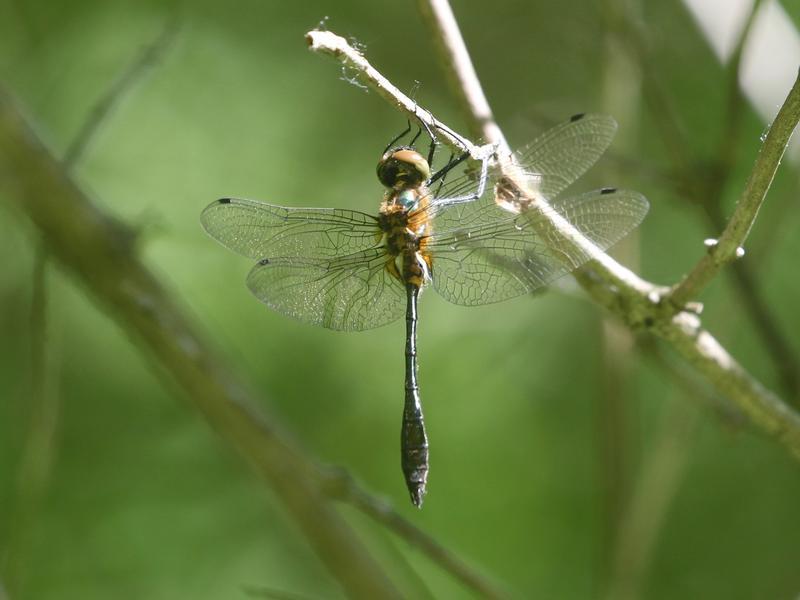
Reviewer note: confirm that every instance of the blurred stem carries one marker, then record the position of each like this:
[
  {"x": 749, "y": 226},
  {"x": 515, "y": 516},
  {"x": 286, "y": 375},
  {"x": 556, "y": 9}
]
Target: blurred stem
[
  {"x": 731, "y": 134},
  {"x": 340, "y": 485},
  {"x": 39, "y": 447},
  {"x": 98, "y": 250},
  {"x": 621, "y": 95},
  {"x": 614, "y": 447},
  {"x": 150, "y": 55},
  {"x": 658, "y": 483},
  {"x": 458, "y": 68},
  {"x": 416, "y": 586}
]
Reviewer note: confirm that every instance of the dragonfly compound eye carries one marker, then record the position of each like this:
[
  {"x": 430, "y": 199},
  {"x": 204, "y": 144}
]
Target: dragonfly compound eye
[{"x": 403, "y": 168}]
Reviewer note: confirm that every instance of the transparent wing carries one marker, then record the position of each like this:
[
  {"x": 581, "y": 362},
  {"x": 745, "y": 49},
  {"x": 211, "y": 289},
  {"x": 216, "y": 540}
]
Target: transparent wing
[
  {"x": 493, "y": 255},
  {"x": 565, "y": 152},
  {"x": 554, "y": 160},
  {"x": 346, "y": 293},
  {"x": 261, "y": 230},
  {"x": 319, "y": 265}
]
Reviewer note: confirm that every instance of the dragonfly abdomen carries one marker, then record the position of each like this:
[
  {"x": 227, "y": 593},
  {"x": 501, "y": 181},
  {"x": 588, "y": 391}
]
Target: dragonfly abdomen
[{"x": 413, "y": 438}]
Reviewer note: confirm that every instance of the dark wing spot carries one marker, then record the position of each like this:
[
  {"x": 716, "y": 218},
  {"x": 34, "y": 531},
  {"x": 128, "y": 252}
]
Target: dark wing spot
[
  {"x": 263, "y": 261},
  {"x": 608, "y": 190},
  {"x": 577, "y": 117},
  {"x": 224, "y": 200}
]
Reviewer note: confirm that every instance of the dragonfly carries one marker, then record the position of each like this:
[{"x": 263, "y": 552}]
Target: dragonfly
[{"x": 350, "y": 271}]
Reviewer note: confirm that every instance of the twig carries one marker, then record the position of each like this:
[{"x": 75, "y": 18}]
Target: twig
[
  {"x": 341, "y": 486},
  {"x": 149, "y": 56},
  {"x": 97, "y": 250},
  {"x": 330, "y": 44},
  {"x": 729, "y": 247},
  {"x": 639, "y": 304},
  {"x": 439, "y": 17}
]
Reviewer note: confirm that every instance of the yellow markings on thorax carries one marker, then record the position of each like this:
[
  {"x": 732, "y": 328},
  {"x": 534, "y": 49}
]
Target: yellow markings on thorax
[{"x": 407, "y": 234}]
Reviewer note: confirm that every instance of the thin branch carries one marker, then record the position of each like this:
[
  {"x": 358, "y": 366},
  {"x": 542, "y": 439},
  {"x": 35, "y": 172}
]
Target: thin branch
[
  {"x": 342, "y": 487},
  {"x": 729, "y": 247},
  {"x": 98, "y": 251},
  {"x": 466, "y": 86},
  {"x": 447, "y": 37},
  {"x": 330, "y": 44},
  {"x": 150, "y": 55}
]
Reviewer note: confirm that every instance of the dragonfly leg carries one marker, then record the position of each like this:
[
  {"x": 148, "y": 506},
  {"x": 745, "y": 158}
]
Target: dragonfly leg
[
  {"x": 484, "y": 175},
  {"x": 398, "y": 137}
]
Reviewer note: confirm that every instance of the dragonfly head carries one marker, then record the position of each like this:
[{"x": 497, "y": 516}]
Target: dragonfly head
[{"x": 403, "y": 168}]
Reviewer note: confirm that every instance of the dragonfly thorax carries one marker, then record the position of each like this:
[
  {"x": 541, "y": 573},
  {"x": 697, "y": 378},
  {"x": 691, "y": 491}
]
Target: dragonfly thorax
[{"x": 403, "y": 168}]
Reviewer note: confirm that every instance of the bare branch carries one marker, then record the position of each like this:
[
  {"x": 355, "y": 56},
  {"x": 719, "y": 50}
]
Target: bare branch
[
  {"x": 330, "y": 44},
  {"x": 458, "y": 66},
  {"x": 729, "y": 247}
]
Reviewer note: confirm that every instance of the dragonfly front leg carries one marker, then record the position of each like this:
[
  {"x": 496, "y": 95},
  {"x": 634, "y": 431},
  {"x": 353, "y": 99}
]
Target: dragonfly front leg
[{"x": 482, "y": 178}]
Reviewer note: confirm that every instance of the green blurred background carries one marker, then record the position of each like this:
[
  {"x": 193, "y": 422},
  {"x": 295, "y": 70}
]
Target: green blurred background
[{"x": 567, "y": 461}]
